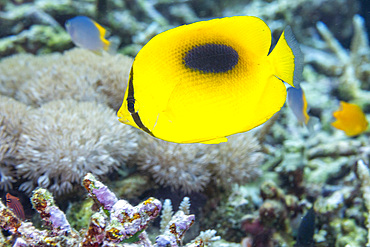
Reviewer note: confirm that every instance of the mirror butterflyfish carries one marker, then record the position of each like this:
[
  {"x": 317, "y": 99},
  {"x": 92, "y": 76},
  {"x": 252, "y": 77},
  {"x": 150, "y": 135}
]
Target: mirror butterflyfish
[
  {"x": 207, "y": 80},
  {"x": 87, "y": 34}
]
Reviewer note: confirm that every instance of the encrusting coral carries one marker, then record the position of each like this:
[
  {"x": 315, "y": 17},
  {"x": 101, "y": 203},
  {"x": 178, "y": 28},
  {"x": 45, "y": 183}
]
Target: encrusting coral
[
  {"x": 191, "y": 167},
  {"x": 77, "y": 74},
  {"x": 117, "y": 223},
  {"x": 64, "y": 139}
]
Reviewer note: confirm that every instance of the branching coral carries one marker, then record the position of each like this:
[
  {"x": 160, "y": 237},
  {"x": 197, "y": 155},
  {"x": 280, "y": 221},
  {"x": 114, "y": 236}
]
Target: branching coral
[
  {"x": 174, "y": 226},
  {"x": 117, "y": 223},
  {"x": 279, "y": 13},
  {"x": 363, "y": 173},
  {"x": 63, "y": 140},
  {"x": 78, "y": 74},
  {"x": 190, "y": 167},
  {"x": 353, "y": 67}
]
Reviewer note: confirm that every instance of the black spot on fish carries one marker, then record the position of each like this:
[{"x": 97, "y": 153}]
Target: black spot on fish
[{"x": 211, "y": 58}]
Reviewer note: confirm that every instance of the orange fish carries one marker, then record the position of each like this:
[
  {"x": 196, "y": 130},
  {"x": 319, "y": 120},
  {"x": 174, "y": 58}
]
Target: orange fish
[
  {"x": 14, "y": 204},
  {"x": 350, "y": 118}
]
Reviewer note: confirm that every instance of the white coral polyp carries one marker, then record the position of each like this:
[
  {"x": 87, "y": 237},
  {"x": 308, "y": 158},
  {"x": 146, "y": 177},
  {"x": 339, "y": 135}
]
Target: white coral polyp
[
  {"x": 65, "y": 139},
  {"x": 191, "y": 167},
  {"x": 238, "y": 160},
  {"x": 6, "y": 177},
  {"x": 175, "y": 165}
]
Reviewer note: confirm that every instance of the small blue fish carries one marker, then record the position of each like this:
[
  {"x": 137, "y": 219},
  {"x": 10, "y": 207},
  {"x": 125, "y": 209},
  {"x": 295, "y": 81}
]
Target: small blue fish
[
  {"x": 87, "y": 34},
  {"x": 297, "y": 102}
]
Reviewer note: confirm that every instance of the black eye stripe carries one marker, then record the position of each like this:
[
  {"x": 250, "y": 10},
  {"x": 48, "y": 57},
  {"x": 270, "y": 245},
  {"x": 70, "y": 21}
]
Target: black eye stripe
[
  {"x": 211, "y": 58},
  {"x": 131, "y": 104},
  {"x": 130, "y": 95}
]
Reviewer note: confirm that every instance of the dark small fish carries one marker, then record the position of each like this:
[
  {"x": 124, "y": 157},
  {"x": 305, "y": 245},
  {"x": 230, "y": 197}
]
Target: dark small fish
[
  {"x": 14, "y": 204},
  {"x": 306, "y": 230}
]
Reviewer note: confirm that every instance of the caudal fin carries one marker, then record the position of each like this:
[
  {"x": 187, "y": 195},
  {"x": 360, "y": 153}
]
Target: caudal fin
[{"x": 287, "y": 58}]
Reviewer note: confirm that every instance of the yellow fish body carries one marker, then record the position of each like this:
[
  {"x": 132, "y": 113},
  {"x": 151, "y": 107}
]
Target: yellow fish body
[
  {"x": 350, "y": 118},
  {"x": 210, "y": 79}
]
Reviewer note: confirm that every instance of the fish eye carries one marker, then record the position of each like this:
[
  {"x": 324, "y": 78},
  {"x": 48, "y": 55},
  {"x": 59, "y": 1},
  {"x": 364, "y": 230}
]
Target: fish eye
[{"x": 132, "y": 105}]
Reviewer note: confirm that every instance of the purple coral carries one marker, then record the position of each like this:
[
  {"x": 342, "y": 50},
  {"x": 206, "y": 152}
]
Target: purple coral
[
  {"x": 105, "y": 197},
  {"x": 58, "y": 219},
  {"x": 126, "y": 220},
  {"x": 175, "y": 229},
  {"x": 99, "y": 192},
  {"x": 115, "y": 222}
]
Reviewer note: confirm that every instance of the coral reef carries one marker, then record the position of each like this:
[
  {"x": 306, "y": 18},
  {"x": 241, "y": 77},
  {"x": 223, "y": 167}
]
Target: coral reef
[
  {"x": 11, "y": 114},
  {"x": 117, "y": 223},
  {"x": 66, "y": 135},
  {"x": 64, "y": 139},
  {"x": 178, "y": 166},
  {"x": 352, "y": 67},
  {"x": 238, "y": 160},
  {"x": 77, "y": 74},
  {"x": 191, "y": 167},
  {"x": 298, "y": 168},
  {"x": 38, "y": 25},
  {"x": 363, "y": 173},
  {"x": 72, "y": 134}
]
